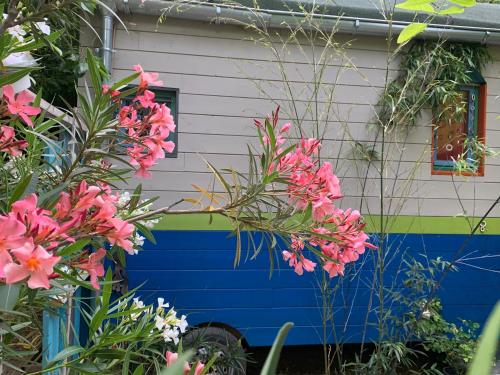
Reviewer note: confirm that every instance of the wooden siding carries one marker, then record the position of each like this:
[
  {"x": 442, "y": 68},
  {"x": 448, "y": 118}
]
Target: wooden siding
[{"x": 217, "y": 70}]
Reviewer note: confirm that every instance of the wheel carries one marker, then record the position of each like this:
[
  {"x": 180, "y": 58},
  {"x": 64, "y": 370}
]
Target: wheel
[{"x": 210, "y": 341}]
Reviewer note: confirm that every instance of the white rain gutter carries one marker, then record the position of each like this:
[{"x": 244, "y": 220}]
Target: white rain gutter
[{"x": 221, "y": 13}]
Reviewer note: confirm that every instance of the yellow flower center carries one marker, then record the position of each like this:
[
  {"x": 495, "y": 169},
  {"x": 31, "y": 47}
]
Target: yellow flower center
[{"x": 33, "y": 264}]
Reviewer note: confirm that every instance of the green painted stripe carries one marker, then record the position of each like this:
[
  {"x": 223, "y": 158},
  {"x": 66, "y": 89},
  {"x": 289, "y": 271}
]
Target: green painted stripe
[{"x": 395, "y": 224}]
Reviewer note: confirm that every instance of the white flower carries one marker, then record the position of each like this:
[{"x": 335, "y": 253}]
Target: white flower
[
  {"x": 161, "y": 304},
  {"x": 171, "y": 334},
  {"x": 182, "y": 323},
  {"x": 138, "y": 240},
  {"x": 124, "y": 199},
  {"x": 20, "y": 59},
  {"x": 426, "y": 314},
  {"x": 160, "y": 322},
  {"x": 43, "y": 27},
  {"x": 137, "y": 304}
]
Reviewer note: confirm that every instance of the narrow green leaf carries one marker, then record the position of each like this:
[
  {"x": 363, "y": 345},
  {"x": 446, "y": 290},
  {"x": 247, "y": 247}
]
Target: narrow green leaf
[
  {"x": 451, "y": 10},
  {"x": 272, "y": 359},
  {"x": 209, "y": 364},
  {"x": 410, "y": 31},
  {"x": 417, "y": 5},
  {"x": 74, "y": 247},
  {"x": 123, "y": 82},
  {"x": 146, "y": 232},
  {"x": 484, "y": 357},
  {"x": 464, "y": 3},
  {"x": 65, "y": 353},
  {"x": 94, "y": 72},
  {"x": 219, "y": 177},
  {"x": 8, "y": 296},
  {"x": 9, "y": 78},
  {"x": 38, "y": 43},
  {"x": 21, "y": 189},
  {"x": 139, "y": 370},
  {"x": 134, "y": 200}
]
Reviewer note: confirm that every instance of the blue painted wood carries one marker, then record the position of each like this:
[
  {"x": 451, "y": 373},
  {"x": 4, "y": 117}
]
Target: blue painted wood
[
  {"x": 54, "y": 328},
  {"x": 194, "y": 271}
]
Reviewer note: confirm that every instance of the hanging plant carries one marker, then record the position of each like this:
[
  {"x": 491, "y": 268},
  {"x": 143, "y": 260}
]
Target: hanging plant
[{"x": 431, "y": 75}]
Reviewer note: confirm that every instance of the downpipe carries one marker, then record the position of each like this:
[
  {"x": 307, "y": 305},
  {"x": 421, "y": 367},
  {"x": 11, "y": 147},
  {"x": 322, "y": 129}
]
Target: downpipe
[{"x": 107, "y": 38}]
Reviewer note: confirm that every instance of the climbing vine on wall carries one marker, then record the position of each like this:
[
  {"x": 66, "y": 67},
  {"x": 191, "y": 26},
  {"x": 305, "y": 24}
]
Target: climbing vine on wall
[{"x": 431, "y": 74}]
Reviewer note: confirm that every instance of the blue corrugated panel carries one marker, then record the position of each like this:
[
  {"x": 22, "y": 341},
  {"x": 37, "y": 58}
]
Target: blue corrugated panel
[{"x": 194, "y": 271}]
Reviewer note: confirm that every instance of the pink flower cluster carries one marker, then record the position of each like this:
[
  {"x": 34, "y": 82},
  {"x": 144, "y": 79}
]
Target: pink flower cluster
[
  {"x": 30, "y": 235},
  {"x": 171, "y": 358},
  {"x": 148, "y": 124},
  {"x": 17, "y": 105},
  {"x": 339, "y": 234},
  {"x": 8, "y": 142}
]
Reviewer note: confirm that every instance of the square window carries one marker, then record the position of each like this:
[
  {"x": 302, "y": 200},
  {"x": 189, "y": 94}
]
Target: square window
[
  {"x": 169, "y": 97},
  {"x": 452, "y": 140}
]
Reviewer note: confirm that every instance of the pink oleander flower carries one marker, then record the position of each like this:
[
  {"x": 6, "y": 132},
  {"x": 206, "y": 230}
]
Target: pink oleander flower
[
  {"x": 112, "y": 93},
  {"x": 298, "y": 262},
  {"x": 161, "y": 117},
  {"x": 147, "y": 133},
  {"x": 94, "y": 267},
  {"x": 11, "y": 237},
  {"x": 119, "y": 234},
  {"x": 18, "y": 104},
  {"x": 127, "y": 116},
  {"x": 8, "y": 143},
  {"x": 35, "y": 263},
  {"x": 147, "y": 79},
  {"x": 311, "y": 184},
  {"x": 199, "y": 368},
  {"x": 86, "y": 195},
  {"x": 40, "y": 224},
  {"x": 146, "y": 99},
  {"x": 334, "y": 268},
  {"x": 171, "y": 358}
]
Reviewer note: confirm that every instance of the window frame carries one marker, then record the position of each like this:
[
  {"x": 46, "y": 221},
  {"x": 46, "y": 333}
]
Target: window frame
[
  {"x": 175, "y": 115},
  {"x": 475, "y": 128}
]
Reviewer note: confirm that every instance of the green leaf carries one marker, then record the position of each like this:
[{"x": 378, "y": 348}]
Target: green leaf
[
  {"x": 273, "y": 357},
  {"x": 134, "y": 200},
  {"x": 219, "y": 177},
  {"x": 37, "y": 43},
  {"x": 417, "y": 5},
  {"x": 146, "y": 232},
  {"x": 74, "y": 247},
  {"x": 125, "y": 81},
  {"x": 485, "y": 355},
  {"x": 9, "y": 78},
  {"x": 451, "y": 10},
  {"x": 8, "y": 296},
  {"x": 22, "y": 188},
  {"x": 94, "y": 72},
  {"x": 65, "y": 353},
  {"x": 209, "y": 364},
  {"x": 139, "y": 370},
  {"x": 103, "y": 309},
  {"x": 410, "y": 31},
  {"x": 464, "y": 3}
]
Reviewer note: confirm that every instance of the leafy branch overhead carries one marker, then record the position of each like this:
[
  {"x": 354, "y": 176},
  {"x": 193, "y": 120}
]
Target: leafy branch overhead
[
  {"x": 430, "y": 77},
  {"x": 432, "y": 8}
]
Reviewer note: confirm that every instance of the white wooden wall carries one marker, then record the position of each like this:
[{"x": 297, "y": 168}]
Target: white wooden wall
[{"x": 217, "y": 69}]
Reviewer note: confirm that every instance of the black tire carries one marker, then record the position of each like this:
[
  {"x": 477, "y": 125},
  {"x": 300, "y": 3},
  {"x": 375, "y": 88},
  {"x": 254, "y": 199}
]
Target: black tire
[{"x": 208, "y": 341}]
